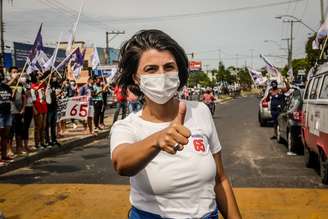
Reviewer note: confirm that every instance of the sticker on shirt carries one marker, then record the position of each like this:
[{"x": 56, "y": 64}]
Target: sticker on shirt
[{"x": 199, "y": 143}]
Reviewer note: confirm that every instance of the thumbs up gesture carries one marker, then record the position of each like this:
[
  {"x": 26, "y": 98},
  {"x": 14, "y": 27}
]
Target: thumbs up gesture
[{"x": 174, "y": 137}]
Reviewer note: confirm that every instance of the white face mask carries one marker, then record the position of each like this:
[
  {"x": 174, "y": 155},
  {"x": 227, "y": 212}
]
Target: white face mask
[{"x": 160, "y": 88}]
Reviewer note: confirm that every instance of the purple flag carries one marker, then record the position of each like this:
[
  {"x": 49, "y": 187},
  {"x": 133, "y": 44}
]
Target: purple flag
[
  {"x": 37, "y": 45},
  {"x": 77, "y": 62}
]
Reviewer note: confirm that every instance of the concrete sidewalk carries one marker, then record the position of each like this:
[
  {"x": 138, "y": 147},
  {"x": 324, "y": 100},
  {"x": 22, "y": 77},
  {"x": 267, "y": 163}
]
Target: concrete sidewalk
[{"x": 73, "y": 137}]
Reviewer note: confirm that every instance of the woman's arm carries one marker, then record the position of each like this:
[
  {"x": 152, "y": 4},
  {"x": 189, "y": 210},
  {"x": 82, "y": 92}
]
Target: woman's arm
[
  {"x": 129, "y": 159},
  {"x": 225, "y": 197}
]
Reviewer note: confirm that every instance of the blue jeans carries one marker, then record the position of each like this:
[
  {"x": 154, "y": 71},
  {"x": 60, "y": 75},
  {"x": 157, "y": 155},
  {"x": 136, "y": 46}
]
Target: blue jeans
[
  {"x": 139, "y": 214},
  {"x": 5, "y": 120}
]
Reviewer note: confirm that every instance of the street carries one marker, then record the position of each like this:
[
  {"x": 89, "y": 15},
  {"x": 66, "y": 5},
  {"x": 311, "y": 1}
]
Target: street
[
  {"x": 81, "y": 183},
  {"x": 251, "y": 158}
]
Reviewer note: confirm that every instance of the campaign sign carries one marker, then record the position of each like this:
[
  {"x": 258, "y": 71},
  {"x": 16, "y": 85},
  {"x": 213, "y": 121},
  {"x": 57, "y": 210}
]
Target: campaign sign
[{"x": 73, "y": 108}]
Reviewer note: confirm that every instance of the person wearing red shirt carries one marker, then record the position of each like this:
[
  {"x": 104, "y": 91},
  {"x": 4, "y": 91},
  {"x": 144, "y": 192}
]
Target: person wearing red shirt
[
  {"x": 121, "y": 103},
  {"x": 40, "y": 109}
]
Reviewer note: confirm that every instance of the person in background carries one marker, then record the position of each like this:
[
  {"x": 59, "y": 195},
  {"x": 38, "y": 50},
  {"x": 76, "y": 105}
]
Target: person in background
[
  {"x": 208, "y": 99},
  {"x": 132, "y": 93},
  {"x": 11, "y": 79},
  {"x": 97, "y": 103},
  {"x": 276, "y": 96},
  {"x": 27, "y": 117},
  {"x": 72, "y": 92},
  {"x": 88, "y": 90},
  {"x": 5, "y": 117},
  {"x": 121, "y": 103},
  {"x": 17, "y": 110},
  {"x": 53, "y": 90},
  {"x": 39, "y": 109},
  {"x": 105, "y": 92}
]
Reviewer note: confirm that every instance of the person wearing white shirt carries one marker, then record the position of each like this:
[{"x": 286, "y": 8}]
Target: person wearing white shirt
[{"x": 170, "y": 148}]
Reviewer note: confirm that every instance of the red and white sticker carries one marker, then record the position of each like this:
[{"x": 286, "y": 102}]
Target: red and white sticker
[{"x": 199, "y": 144}]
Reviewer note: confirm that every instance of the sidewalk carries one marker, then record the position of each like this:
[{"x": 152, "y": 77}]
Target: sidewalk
[{"x": 72, "y": 138}]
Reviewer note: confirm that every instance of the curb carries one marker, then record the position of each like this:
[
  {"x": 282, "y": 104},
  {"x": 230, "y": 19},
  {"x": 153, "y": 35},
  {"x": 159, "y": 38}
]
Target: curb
[{"x": 66, "y": 146}]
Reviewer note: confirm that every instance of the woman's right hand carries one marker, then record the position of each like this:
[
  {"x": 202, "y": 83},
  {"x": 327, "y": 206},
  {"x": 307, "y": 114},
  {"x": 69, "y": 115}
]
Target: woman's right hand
[{"x": 174, "y": 137}]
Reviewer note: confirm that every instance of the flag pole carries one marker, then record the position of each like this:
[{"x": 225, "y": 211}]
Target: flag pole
[
  {"x": 15, "y": 88},
  {"x": 323, "y": 48},
  {"x": 60, "y": 64}
]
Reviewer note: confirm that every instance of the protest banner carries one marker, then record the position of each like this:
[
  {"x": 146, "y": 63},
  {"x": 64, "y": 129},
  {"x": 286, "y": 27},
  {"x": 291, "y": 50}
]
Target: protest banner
[{"x": 73, "y": 108}]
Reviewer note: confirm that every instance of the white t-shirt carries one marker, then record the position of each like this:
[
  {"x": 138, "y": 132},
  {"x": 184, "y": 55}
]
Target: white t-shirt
[{"x": 180, "y": 185}]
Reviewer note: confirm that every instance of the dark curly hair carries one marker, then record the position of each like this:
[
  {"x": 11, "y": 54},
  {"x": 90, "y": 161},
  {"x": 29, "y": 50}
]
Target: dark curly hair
[{"x": 132, "y": 50}]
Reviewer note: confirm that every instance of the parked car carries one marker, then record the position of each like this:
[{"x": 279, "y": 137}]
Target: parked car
[
  {"x": 264, "y": 113},
  {"x": 315, "y": 121},
  {"x": 289, "y": 121}
]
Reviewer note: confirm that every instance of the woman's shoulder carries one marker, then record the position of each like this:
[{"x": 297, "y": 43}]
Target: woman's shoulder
[
  {"x": 196, "y": 106},
  {"x": 127, "y": 122}
]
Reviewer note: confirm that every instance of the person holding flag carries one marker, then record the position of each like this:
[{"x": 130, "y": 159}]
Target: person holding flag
[
  {"x": 276, "y": 96},
  {"x": 170, "y": 149}
]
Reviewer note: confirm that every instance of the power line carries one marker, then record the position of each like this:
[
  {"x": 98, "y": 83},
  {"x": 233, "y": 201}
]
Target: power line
[{"x": 199, "y": 14}]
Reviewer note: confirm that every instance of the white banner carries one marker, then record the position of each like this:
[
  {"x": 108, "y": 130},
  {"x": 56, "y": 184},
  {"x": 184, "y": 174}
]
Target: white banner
[{"x": 73, "y": 108}]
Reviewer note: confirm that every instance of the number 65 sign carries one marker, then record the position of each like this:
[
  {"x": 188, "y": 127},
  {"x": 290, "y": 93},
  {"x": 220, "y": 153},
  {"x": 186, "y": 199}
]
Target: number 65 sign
[{"x": 74, "y": 108}]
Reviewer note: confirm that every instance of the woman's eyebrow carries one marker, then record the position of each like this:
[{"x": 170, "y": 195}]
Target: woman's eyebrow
[{"x": 150, "y": 66}]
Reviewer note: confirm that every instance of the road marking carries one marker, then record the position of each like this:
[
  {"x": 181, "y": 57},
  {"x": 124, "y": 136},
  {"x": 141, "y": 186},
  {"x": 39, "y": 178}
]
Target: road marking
[{"x": 52, "y": 201}]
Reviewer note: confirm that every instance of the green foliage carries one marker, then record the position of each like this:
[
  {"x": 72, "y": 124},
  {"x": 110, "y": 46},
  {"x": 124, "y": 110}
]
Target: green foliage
[
  {"x": 244, "y": 77},
  {"x": 199, "y": 77},
  {"x": 311, "y": 54}
]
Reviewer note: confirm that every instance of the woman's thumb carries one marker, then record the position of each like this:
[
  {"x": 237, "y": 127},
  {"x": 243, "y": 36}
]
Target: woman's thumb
[{"x": 181, "y": 113}]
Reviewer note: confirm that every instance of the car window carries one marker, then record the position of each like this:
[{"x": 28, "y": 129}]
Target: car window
[
  {"x": 324, "y": 88},
  {"x": 308, "y": 89},
  {"x": 314, "y": 88},
  {"x": 295, "y": 99}
]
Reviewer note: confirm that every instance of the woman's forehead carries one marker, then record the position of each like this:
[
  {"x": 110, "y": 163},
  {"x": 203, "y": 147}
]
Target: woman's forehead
[{"x": 155, "y": 57}]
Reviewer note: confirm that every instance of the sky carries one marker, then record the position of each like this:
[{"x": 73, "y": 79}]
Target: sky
[{"x": 233, "y": 31}]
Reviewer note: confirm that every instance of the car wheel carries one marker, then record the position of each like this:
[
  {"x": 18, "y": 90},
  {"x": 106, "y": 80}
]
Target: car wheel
[
  {"x": 290, "y": 142},
  {"x": 279, "y": 139},
  {"x": 309, "y": 157},
  {"x": 261, "y": 121},
  {"x": 323, "y": 167}
]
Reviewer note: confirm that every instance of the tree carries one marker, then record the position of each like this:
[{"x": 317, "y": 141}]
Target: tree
[
  {"x": 311, "y": 54},
  {"x": 244, "y": 77},
  {"x": 199, "y": 78}
]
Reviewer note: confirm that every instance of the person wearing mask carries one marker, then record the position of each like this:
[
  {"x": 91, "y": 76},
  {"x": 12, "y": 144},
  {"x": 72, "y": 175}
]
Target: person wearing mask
[
  {"x": 17, "y": 111},
  {"x": 28, "y": 116},
  {"x": 97, "y": 103},
  {"x": 88, "y": 90},
  {"x": 39, "y": 109},
  {"x": 53, "y": 90},
  {"x": 276, "y": 96},
  {"x": 170, "y": 149},
  {"x": 121, "y": 103},
  {"x": 105, "y": 92},
  {"x": 5, "y": 117}
]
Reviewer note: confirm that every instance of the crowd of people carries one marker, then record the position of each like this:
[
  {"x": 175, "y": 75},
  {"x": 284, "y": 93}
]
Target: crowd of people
[{"x": 26, "y": 97}]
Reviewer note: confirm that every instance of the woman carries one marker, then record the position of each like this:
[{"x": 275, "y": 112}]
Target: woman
[
  {"x": 39, "y": 109},
  {"x": 170, "y": 148}
]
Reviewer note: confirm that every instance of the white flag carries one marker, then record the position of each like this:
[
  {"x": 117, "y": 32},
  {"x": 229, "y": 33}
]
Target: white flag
[
  {"x": 73, "y": 31},
  {"x": 94, "y": 60},
  {"x": 51, "y": 62}
]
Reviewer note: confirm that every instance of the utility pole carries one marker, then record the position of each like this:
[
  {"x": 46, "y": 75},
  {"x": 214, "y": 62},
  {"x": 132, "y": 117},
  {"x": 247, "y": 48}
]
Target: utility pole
[
  {"x": 322, "y": 12},
  {"x": 290, "y": 44},
  {"x": 115, "y": 33},
  {"x": 1, "y": 35},
  {"x": 289, "y": 59}
]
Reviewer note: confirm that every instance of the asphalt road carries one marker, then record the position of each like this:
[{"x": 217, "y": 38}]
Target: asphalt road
[{"x": 251, "y": 158}]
